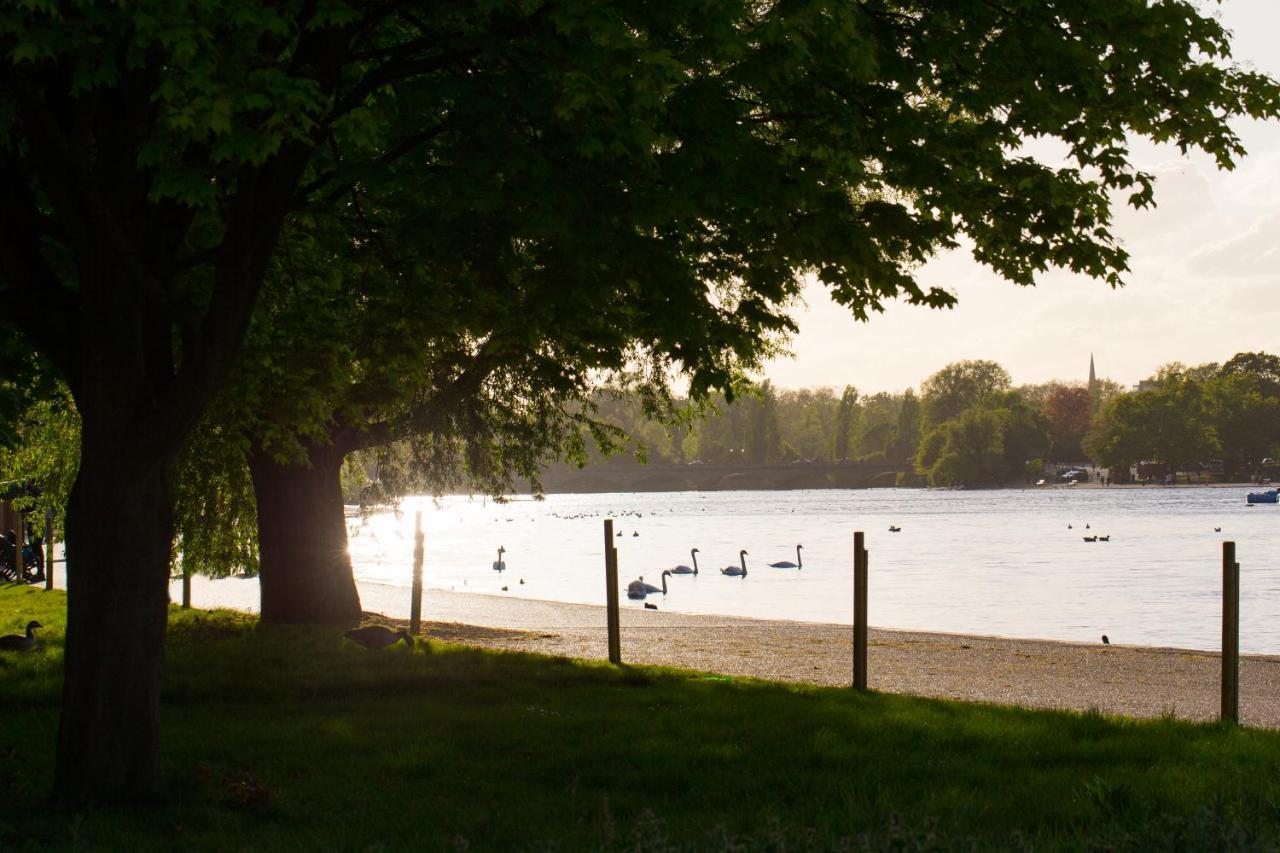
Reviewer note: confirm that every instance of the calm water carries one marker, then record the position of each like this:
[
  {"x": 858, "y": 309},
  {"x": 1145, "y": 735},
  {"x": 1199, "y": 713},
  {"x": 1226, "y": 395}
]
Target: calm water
[{"x": 998, "y": 562}]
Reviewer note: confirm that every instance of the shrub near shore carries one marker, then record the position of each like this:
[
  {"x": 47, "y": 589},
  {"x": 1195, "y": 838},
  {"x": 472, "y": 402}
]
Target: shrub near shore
[{"x": 295, "y": 739}]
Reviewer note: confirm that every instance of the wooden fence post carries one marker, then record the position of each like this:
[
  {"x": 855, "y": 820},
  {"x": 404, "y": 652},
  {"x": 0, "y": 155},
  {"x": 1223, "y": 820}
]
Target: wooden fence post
[
  {"x": 611, "y": 593},
  {"x": 859, "y": 612},
  {"x": 415, "y": 603},
  {"x": 1230, "y": 633},
  {"x": 186, "y": 586},
  {"x": 48, "y": 549}
]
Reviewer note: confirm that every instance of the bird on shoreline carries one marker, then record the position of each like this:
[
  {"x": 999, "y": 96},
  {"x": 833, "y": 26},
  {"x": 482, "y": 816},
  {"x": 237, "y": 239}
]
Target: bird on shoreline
[
  {"x": 1105, "y": 640},
  {"x": 18, "y": 642},
  {"x": 648, "y": 606},
  {"x": 378, "y": 636}
]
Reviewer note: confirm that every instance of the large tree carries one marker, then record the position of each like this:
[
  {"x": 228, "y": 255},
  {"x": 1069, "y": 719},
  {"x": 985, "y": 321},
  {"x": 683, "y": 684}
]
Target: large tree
[
  {"x": 1069, "y": 409},
  {"x": 153, "y": 152},
  {"x": 1263, "y": 366},
  {"x": 960, "y": 386}
]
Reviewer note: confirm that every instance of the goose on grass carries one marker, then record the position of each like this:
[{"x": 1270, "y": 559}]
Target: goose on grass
[
  {"x": 20, "y": 642},
  {"x": 378, "y": 636}
]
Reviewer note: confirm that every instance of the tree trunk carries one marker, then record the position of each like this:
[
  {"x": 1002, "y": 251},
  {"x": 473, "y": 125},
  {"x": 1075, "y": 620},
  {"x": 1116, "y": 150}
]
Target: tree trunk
[
  {"x": 119, "y": 531},
  {"x": 304, "y": 568}
]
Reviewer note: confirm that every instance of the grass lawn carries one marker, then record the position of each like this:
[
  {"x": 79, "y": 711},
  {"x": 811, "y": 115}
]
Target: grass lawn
[{"x": 294, "y": 739}]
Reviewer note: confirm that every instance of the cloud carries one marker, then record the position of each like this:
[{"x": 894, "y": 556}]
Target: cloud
[{"x": 1255, "y": 252}]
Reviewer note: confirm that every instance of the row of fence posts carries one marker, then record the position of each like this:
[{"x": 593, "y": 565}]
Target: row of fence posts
[
  {"x": 1230, "y": 710},
  {"x": 1230, "y": 617}
]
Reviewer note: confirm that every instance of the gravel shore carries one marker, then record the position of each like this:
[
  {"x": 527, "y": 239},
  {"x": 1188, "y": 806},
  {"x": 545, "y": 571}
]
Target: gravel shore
[{"x": 1128, "y": 680}]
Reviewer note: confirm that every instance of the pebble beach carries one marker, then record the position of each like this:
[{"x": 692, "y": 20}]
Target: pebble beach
[{"x": 1112, "y": 679}]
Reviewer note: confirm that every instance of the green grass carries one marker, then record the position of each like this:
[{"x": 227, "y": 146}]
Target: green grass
[{"x": 296, "y": 740}]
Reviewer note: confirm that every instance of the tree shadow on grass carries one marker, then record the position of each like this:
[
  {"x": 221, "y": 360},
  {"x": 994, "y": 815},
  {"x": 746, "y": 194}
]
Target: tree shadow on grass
[{"x": 289, "y": 737}]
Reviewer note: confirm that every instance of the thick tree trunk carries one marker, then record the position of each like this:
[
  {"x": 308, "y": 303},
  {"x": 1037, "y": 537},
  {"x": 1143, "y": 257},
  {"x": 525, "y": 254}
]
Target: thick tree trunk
[
  {"x": 304, "y": 568},
  {"x": 119, "y": 530}
]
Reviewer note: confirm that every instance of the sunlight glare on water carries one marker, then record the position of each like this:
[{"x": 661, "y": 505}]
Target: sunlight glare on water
[{"x": 984, "y": 562}]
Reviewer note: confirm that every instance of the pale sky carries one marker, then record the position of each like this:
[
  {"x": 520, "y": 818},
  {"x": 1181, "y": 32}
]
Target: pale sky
[{"x": 1204, "y": 280}]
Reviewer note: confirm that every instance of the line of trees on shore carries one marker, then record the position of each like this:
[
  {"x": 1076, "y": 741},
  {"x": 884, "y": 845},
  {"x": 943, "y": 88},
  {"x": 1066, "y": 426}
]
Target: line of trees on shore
[{"x": 970, "y": 424}]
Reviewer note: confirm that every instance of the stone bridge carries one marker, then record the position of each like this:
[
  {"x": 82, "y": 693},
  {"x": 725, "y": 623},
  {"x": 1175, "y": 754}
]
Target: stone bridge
[{"x": 562, "y": 479}]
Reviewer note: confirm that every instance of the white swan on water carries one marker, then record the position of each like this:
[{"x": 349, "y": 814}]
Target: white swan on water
[
  {"x": 734, "y": 571},
  {"x": 499, "y": 565},
  {"x": 639, "y": 589},
  {"x": 682, "y": 569},
  {"x": 787, "y": 564}
]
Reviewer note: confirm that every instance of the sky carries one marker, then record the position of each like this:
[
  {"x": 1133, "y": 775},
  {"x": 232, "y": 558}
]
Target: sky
[{"x": 1204, "y": 280}]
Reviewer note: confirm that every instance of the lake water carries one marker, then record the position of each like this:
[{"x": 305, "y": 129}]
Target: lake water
[{"x": 984, "y": 562}]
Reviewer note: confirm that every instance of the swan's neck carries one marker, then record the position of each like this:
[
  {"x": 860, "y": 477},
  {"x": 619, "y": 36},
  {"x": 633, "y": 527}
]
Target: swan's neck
[
  {"x": 743, "y": 558},
  {"x": 799, "y": 559},
  {"x": 694, "y": 554}
]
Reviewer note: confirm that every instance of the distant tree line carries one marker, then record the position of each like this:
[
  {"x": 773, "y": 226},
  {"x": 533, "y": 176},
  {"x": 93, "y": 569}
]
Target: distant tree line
[
  {"x": 1184, "y": 417},
  {"x": 970, "y": 424}
]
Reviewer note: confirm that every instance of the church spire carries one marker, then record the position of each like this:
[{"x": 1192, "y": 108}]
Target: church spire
[{"x": 1093, "y": 378}]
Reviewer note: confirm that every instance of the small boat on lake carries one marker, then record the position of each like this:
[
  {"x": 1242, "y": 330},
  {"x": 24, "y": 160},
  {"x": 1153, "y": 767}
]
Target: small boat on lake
[{"x": 1270, "y": 497}]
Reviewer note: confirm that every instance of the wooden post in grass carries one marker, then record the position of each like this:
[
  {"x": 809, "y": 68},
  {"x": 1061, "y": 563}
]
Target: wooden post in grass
[
  {"x": 415, "y": 603},
  {"x": 611, "y": 593},
  {"x": 48, "y": 549},
  {"x": 859, "y": 612},
  {"x": 186, "y": 586},
  {"x": 1230, "y": 633}
]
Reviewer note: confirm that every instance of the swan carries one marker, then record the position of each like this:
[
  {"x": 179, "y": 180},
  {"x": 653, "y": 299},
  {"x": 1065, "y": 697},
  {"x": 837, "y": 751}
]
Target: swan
[
  {"x": 734, "y": 571},
  {"x": 639, "y": 589},
  {"x": 787, "y": 564},
  {"x": 682, "y": 569},
  {"x": 499, "y": 565}
]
